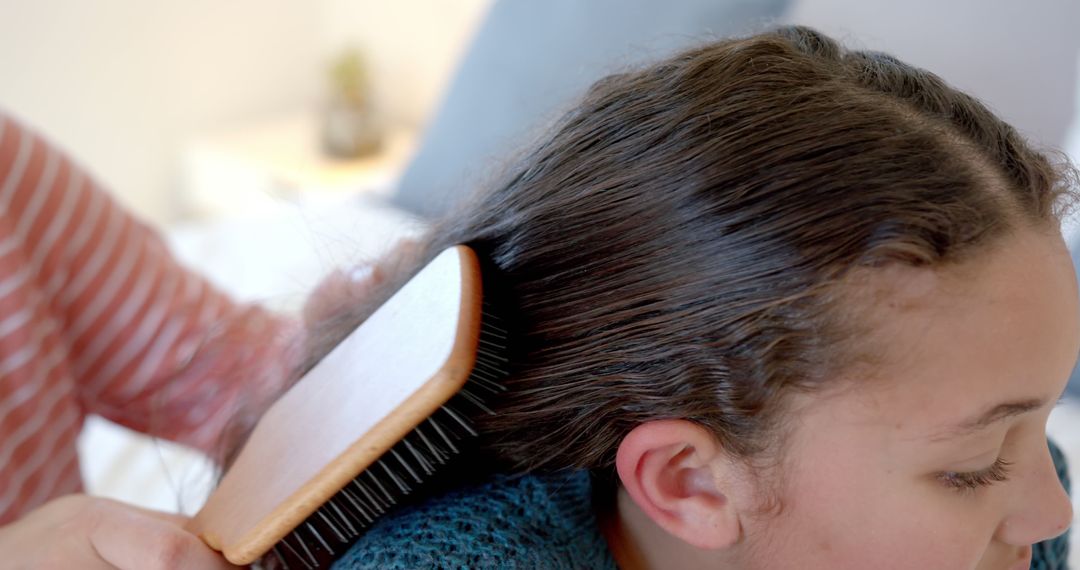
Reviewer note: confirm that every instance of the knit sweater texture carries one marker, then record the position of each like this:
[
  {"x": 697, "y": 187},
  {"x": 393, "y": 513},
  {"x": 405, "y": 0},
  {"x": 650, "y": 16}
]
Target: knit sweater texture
[{"x": 529, "y": 521}]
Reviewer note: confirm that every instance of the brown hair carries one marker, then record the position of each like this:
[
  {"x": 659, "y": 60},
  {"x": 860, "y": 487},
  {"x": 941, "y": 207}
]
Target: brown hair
[{"x": 673, "y": 248}]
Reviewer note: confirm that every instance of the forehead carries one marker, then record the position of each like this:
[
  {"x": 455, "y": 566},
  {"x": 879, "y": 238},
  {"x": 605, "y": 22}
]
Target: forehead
[{"x": 947, "y": 342}]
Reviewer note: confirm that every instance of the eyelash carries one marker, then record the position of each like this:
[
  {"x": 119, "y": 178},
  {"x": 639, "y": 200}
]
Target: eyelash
[{"x": 973, "y": 480}]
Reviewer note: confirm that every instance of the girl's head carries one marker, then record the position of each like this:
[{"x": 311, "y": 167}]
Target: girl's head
[{"x": 811, "y": 305}]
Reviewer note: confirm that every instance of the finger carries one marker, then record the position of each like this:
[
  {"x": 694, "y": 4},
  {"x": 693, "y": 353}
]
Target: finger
[
  {"x": 326, "y": 297},
  {"x": 129, "y": 539},
  {"x": 52, "y": 536},
  {"x": 83, "y": 556},
  {"x": 340, "y": 290}
]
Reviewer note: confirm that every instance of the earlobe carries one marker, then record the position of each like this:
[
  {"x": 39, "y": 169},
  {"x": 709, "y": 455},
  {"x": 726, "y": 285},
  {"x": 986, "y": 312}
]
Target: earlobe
[{"x": 674, "y": 470}]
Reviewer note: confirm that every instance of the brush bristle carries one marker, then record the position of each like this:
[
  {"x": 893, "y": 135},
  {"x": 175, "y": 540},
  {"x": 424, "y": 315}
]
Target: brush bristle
[{"x": 406, "y": 467}]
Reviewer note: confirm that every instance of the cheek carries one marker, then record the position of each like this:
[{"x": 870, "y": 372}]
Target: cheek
[{"x": 844, "y": 515}]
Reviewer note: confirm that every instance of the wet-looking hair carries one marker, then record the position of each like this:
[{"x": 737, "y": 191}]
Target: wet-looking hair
[{"x": 674, "y": 247}]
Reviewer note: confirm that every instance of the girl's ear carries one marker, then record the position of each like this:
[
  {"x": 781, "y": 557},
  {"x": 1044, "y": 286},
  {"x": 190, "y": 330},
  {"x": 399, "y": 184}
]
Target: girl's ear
[{"x": 675, "y": 471}]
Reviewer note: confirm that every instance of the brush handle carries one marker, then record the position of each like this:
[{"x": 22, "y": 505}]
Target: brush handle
[{"x": 389, "y": 375}]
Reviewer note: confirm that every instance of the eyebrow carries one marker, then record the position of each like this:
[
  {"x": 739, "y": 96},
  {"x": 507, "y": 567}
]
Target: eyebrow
[{"x": 991, "y": 416}]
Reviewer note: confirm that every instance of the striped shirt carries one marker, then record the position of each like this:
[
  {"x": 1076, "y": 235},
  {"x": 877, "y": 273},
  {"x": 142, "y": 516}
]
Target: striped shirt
[{"x": 96, "y": 317}]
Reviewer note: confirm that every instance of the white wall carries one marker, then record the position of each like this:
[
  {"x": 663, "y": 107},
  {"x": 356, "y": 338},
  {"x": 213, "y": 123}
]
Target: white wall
[{"x": 122, "y": 83}]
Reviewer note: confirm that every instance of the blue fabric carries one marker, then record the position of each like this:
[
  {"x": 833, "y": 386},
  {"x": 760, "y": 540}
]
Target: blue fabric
[
  {"x": 529, "y": 59},
  {"x": 532, "y": 521}
]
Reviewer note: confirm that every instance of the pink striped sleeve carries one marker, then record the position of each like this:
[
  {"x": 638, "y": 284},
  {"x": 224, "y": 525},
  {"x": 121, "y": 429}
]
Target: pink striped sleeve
[{"x": 152, "y": 346}]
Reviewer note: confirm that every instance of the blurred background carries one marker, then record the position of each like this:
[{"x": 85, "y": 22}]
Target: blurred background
[
  {"x": 208, "y": 109},
  {"x": 273, "y": 140}
]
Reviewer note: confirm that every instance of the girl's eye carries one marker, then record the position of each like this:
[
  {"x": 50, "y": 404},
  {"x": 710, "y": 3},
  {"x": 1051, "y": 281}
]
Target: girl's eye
[{"x": 973, "y": 480}]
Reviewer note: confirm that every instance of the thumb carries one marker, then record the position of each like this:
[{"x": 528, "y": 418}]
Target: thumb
[{"x": 140, "y": 539}]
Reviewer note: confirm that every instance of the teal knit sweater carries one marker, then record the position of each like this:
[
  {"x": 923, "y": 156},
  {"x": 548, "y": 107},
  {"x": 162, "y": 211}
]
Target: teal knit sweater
[{"x": 531, "y": 521}]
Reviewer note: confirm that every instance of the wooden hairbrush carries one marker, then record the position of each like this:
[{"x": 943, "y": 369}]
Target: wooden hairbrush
[{"x": 365, "y": 426}]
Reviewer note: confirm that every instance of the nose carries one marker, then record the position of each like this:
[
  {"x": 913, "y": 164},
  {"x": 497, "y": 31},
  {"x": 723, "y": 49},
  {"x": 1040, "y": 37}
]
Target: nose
[{"x": 1042, "y": 509}]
